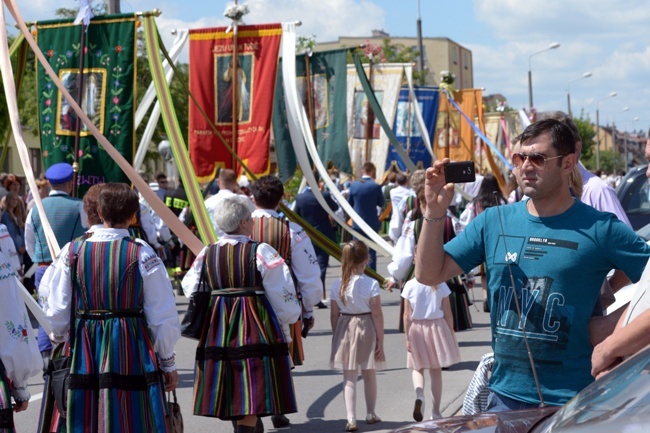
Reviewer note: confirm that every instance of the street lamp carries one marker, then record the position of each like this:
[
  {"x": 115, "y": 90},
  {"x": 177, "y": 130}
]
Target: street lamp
[
  {"x": 611, "y": 95},
  {"x": 552, "y": 46},
  {"x": 568, "y": 89}
]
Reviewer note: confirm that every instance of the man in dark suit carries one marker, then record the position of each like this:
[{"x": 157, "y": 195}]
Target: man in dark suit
[
  {"x": 308, "y": 207},
  {"x": 365, "y": 196}
]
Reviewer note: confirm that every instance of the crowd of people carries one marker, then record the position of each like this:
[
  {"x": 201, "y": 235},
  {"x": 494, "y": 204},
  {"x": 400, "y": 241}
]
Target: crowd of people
[{"x": 109, "y": 300}]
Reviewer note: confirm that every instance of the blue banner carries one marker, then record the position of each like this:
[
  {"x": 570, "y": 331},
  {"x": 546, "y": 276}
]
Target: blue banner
[{"x": 407, "y": 130}]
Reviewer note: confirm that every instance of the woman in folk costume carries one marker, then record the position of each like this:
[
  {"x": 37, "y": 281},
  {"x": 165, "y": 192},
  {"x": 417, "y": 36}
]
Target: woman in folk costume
[
  {"x": 294, "y": 246},
  {"x": 126, "y": 323},
  {"x": 19, "y": 355},
  {"x": 402, "y": 267},
  {"x": 243, "y": 367}
]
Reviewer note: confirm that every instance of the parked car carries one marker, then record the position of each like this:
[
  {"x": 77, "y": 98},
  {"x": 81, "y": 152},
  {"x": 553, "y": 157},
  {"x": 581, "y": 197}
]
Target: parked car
[
  {"x": 634, "y": 195},
  {"x": 617, "y": 402}
]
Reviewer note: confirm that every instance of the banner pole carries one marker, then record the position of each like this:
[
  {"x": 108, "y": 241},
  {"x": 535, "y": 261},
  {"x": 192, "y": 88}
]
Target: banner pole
[
  {"x": 80, "y": 89},
  {"x": 234, "y": 86}
]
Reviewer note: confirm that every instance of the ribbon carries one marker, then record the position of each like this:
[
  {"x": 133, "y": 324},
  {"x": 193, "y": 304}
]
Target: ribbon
[
  {"x": 478, "y": 131},
  {"x": 85, "y": 13},
  {"x": 157, "y": 205}
]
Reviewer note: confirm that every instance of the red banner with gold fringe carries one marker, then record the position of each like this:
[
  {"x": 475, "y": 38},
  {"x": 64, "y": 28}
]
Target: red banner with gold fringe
[{"x": 211, "y": 81}]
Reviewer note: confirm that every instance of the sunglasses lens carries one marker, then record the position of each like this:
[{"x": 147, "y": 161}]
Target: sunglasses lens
[{"x": 537, "y": 160}]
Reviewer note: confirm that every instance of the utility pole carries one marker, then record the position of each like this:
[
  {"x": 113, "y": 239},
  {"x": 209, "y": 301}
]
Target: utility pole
[
  {"x": 421, "y": 47},
  {"x": 113, "y": 6}
]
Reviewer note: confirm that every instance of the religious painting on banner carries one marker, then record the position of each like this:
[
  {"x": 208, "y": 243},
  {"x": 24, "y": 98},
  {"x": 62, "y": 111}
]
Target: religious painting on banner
[
  {"x": 407, "y": 129},
  {"x": 107, "y": 89},
  {"x": 216, "y": 84},
  {"x": 325, "y": 110},
  {"x": 454, "y": 137},
  {"x": 371, "y": 144}
]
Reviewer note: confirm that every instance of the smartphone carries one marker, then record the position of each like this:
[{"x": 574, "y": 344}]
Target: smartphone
[{"x": 460, "y": 172}]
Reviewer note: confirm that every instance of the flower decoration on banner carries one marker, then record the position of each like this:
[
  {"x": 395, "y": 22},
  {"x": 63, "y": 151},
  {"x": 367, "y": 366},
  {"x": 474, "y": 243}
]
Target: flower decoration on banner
[
  {"x": 235, "y": 13},
  {"x": 305, "y": 44},
  {"x": 501, "y": 105},
  {"x": 374, "y": 53},
  {"x": 447, "y": 81},
  {"x": 532, "y": 114}
]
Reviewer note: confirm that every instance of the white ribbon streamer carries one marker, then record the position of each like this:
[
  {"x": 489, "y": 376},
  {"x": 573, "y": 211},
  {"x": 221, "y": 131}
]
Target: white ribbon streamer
[
  {"x": 418, "y": 114},
  {"x": 301, "y": 138},
  {"x": 85, "y": 13},
  {"x": 12, "y": 105}
]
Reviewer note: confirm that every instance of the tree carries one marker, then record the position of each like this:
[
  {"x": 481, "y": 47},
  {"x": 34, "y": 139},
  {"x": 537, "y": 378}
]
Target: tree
[
  {"x": 587, "y": 134},
  {"x": 391, "y": 53}
]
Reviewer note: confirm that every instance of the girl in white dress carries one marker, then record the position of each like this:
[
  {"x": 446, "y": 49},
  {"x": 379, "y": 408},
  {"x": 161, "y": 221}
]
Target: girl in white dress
[
  {"x": 358, "y": 326},
  {"x": 430, "y": 340}
]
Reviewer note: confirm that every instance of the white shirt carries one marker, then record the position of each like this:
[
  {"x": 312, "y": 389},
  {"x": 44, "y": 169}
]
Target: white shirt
[
  {"x": 304, "y": 263},
  {"x": 426, "y": 302},
  {"x": 18, "y": 349},
  {"x": 357, "y": 296},
  {"x": 397, "y": 218},
  {"x": 30, "y": 233},
  {"x": 403, "y": 252},
  {"x": 8, "y": 248},
  {"x": 212, "y": 203},
  {"x": 159, "y": 303},
  {"x": 276, "y": 279}
]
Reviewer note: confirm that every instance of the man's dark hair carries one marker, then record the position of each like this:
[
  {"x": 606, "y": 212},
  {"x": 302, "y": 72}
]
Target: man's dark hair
[
  {"x": 160, "y": 176},
  {"x": 562, "y": 138},
  {"x": 368, "y": 168},
  {"x": 401, "y": 179},
  {"x": 567, "y": 120},
  {"x": 267, "y": 192},
  {"x": 117, "y": 203}
]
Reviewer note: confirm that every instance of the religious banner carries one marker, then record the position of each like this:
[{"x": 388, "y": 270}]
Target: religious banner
[
  {"x": 366, "y": 140},
  {"x": 454, "y": 137},
  {"x": 211, "y": 81},
  {"x": 407, "y": 129},
  {"x": 107, "y": 95},
  {"x": 324, "y": 103}
]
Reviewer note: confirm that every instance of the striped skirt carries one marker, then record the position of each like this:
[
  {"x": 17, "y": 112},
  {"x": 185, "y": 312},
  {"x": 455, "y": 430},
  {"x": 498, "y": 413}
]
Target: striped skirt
[
  {"x": 6, "y": 411},
  {"x": 115, "y": 385},
  {"x": 243, "y": 365}
]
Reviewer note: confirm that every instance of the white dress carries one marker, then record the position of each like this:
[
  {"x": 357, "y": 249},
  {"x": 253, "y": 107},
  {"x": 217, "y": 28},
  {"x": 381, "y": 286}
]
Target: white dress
[
  {"x": 355, "y": 339},
  {"x": 433, "y": 343}
]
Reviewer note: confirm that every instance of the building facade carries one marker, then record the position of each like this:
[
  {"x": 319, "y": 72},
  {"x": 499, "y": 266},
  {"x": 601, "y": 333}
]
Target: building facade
[{"x": 440, "y": 54}]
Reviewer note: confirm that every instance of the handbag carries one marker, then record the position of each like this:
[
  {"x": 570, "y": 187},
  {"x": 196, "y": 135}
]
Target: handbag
[
  {"x": 197, "y": 310},
  {"x": 174, "y": 418},
  {"x": 60, "y": 368}
]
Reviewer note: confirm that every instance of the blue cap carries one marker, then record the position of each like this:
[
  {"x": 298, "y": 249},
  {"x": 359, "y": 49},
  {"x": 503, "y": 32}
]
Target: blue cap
[{"x": 59, "y": 173}]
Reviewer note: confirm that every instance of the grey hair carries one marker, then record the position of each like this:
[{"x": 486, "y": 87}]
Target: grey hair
[{"x": 231, "y": 212}]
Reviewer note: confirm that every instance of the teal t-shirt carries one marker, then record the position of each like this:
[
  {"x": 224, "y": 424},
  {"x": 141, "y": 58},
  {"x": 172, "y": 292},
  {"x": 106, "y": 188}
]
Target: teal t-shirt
[{"x": 558, "y": 264}]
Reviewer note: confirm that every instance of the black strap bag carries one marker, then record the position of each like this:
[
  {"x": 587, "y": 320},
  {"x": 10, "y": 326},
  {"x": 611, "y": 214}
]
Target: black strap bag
[{"x": 198, "y": 309}]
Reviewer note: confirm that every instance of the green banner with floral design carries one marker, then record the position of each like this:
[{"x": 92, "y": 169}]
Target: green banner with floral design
[{"x": 107, "y": 96}]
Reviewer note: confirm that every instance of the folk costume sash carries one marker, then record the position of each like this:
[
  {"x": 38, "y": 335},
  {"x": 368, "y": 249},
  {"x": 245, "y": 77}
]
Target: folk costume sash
[
  {"x": 108, "y": 95},
  {"x": 211, "y": 81}
]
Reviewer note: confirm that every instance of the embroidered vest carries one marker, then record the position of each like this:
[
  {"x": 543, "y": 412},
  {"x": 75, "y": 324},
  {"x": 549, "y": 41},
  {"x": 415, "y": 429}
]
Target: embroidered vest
[{"x": 275, "y": 232}]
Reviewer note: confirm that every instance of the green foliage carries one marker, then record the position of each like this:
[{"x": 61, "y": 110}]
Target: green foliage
[
  {"x": 396, "y": 53},
  {"x": 610, "y": 161},
  {"x": 587, "y": 135}
]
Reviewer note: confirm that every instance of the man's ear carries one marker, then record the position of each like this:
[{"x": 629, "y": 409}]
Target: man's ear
[{"x": 569, "y": 162}]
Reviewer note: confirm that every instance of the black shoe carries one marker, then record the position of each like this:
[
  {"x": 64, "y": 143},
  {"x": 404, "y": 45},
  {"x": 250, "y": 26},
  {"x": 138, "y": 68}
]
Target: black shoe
[
  {"x": 417, "y": 410},
  {"x": 259, "y": 427},
  {"x": 321, "y": 305},
  {"x": 486, "y": 307},
  {"x": 280, "y": 421}
]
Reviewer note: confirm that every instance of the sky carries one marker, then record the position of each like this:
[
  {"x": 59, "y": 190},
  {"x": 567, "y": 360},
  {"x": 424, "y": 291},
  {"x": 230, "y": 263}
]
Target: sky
[{"x": 610, "y": 39}]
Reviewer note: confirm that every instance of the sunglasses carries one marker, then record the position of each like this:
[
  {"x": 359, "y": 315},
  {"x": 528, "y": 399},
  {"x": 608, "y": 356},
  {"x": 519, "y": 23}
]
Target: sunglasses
[{"x": 536, "y": 159}]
